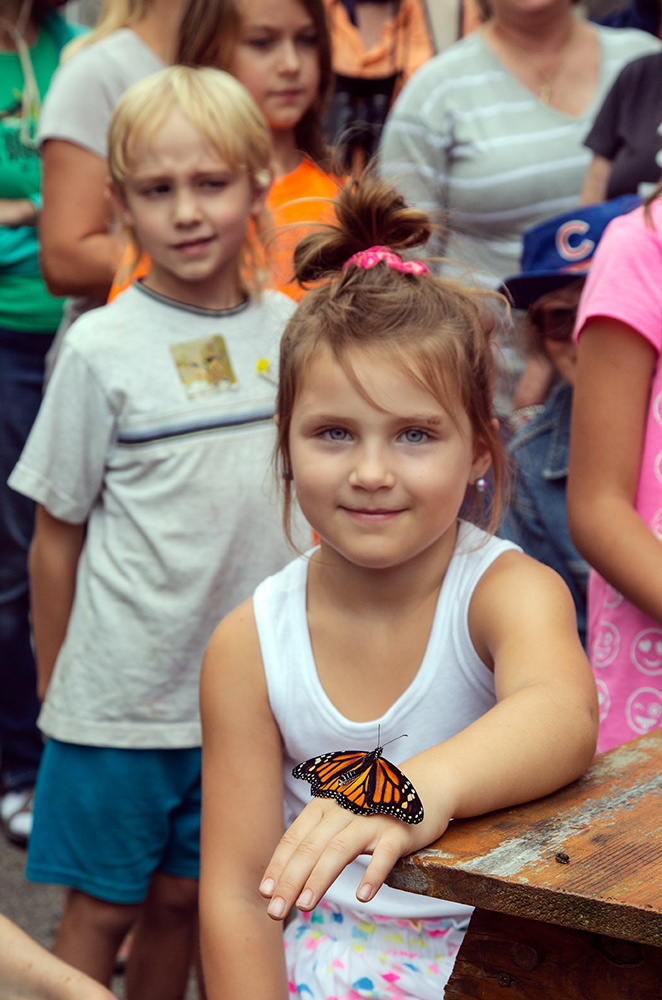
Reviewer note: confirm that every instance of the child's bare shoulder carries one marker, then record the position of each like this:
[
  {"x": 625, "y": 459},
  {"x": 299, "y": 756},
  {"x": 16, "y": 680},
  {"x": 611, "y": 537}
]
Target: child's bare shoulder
[
  {"x": 516, "y": 569},
  {"x": 517, "y": 593},
  {"x": 235, "y": 645}
]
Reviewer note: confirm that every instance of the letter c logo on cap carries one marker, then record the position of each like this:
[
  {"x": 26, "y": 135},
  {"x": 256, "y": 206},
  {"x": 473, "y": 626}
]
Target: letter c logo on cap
[{"x": 574, "y": 250}]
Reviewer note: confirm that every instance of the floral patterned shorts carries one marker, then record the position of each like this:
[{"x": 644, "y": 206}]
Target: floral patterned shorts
[{"x": 337, "y": 954}]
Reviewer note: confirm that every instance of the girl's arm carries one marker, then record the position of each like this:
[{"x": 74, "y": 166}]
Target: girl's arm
[
  {"x": 609, "y": 414},
  {"x": 242, "y": 817},
  {"x": 78, "y": 253},
  {"x": 29, "y": 972},
  {"x": 54, "y": 554},
  {"x": 594, "y": 188},
  {"x": 540, "y": 736}
]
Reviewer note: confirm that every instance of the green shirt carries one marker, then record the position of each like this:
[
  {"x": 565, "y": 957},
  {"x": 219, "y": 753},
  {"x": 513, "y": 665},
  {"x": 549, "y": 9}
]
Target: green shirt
[{"x": 25, "y": 303}]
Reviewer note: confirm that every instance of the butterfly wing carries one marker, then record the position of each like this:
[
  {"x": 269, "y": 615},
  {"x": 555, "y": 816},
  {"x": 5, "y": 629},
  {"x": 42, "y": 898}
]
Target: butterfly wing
[
  {"x": 381, "y": 788},
  {"x": 364, "y": 783},
  {"x": 328, "y": 768}
]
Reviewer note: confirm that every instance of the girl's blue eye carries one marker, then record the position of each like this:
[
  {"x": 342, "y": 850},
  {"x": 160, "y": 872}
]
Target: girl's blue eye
[
  {"x": 415, "y": 435},
  {"x": 336, "y": 434}
]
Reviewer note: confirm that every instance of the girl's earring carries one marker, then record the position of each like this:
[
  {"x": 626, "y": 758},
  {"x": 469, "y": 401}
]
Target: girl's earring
[
  {"x": 481, "y": 484},
  {"x": 287, "y": 473}
]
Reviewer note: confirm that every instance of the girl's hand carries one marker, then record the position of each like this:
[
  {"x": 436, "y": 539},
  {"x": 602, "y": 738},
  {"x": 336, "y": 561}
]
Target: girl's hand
[{"x": 324, "y": 839}]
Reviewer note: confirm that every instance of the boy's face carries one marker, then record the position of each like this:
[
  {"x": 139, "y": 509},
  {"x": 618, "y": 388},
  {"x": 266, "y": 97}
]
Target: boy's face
[{"x": 189, "y": 211}]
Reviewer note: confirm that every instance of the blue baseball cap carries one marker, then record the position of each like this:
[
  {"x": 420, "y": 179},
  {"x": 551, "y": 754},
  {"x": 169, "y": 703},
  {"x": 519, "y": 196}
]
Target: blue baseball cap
[{"x": 559, "y": 250}]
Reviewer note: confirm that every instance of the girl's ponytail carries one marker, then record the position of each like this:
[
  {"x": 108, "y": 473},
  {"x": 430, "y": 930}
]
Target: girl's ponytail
[{"x": 368, "y": 213}]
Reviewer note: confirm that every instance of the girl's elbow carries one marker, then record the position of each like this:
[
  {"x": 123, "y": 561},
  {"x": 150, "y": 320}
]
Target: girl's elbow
[
  {"x": 587, "y": 732},
  {"x": 581, "y": 525}
]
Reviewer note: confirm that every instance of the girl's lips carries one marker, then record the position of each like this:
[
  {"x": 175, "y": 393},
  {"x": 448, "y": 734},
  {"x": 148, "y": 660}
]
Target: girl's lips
[
  {"x": 193, "y": 246},
  {"x": 363, "y": 514},
  {"x": 286, "y": 95}
]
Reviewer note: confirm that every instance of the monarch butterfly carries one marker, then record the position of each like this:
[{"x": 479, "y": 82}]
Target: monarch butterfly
[{"x": 363, "y": 782}]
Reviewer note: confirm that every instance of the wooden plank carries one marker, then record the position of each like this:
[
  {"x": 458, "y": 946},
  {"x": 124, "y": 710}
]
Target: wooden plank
[
  {"x": 609, "y": 827},
  {"x": 509, "y": 958}
]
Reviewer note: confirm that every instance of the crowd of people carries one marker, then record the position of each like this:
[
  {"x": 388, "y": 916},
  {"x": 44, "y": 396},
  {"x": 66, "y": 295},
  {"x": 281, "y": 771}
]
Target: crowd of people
[{"x": 330, "y": 412}]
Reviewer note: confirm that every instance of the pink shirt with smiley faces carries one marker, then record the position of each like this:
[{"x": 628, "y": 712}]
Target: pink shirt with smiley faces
[{"x": 625, "y": 646}]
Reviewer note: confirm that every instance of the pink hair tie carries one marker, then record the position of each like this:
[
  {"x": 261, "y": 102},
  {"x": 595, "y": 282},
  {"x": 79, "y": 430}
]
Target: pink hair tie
[{"x": 373, "y": 255}]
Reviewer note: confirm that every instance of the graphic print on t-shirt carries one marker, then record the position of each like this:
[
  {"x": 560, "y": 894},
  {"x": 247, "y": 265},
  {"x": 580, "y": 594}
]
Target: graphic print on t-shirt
[{"x": 204, "y": 366}]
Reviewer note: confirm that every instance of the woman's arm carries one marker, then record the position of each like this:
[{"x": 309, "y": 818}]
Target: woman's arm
[
  {"x": 15, "y": 212},
  {"x": 609, "y": 413},
  {"x": 594, "y": 188},
  {"x": 29, "y": 972},
  {"x": 79, "y": 254},
  {"x": 54, "y": 554},
  {"x": 540, "y": 736},
  {"x": 242, "y": 817}
]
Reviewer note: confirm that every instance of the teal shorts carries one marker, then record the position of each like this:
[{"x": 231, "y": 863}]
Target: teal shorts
[{"x": 106, "y": 819}]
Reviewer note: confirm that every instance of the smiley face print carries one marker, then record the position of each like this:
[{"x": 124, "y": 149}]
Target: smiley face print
[
  {"x": 646, "y": 651},
  {"x": 644, "y": 710},
  {"x": 605, "y": 645},
  {"x": 604, "y": 699},
  {"x": 611, "y": 598}
]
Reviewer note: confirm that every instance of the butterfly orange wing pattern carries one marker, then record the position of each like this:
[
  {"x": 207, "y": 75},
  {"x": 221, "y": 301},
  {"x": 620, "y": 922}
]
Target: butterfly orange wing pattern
[{"x": 364, "y": 783}]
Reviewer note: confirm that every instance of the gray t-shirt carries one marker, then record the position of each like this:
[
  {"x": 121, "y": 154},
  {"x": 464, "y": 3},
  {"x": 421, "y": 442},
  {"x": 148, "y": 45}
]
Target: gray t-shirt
[
  {"x": 78, "y": 106},
  {"x": 156, "y": 431},
  {"x": 85, "y": 89}
]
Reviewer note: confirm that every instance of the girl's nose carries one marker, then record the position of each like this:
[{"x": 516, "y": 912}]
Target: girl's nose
[
  {"x": 290, "y": 60},
  {"x": 371, "y": 471}
]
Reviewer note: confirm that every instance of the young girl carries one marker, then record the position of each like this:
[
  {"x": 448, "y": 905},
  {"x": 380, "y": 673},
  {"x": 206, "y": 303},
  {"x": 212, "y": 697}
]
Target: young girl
[
  {"x": 148, "y": 461},
  {"x": 281, "y": 53},
  {"x": 405, "y": 620},
  {"x": 614, "y": 488}
]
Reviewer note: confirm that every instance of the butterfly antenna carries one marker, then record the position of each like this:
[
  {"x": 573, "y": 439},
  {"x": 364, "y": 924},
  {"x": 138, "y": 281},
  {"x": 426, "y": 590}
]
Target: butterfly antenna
[{"x": 401, "y": 737}]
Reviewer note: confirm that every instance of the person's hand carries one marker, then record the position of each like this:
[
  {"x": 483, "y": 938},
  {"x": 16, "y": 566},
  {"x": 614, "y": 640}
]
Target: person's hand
[
  {"x": 324, "y": 839},
  {"x": 15, "y": 212}
]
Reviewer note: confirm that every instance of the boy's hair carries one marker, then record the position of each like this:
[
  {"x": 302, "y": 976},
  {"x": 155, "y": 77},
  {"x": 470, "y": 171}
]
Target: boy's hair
[
  {"x": 219, "y": 108},
  {"x": 437, "y": 331},
  {"x": 207, "y": 37}
]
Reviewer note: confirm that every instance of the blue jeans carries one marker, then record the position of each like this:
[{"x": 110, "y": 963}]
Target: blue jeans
[{"x": 21, "y": 382}]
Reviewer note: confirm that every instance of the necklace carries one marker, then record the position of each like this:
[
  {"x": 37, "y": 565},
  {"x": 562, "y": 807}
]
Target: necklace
[{"x": 546, "y": 85}]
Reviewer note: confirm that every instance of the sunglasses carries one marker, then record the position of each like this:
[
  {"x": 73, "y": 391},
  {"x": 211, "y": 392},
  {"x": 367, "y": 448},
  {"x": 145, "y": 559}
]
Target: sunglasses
[{"x": 554, "y": 322}]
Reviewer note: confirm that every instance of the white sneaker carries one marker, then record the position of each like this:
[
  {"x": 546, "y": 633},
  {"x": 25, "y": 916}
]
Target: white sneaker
[{"x": 16, "y": 815}]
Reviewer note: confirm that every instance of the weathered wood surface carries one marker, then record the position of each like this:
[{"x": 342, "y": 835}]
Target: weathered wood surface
[
  {"x": 608, "y": 824},
  {"x": 509, "y": 958}
]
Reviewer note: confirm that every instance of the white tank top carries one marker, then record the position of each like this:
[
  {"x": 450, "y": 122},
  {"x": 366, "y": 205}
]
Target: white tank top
[{"x": 451, "y": 689}]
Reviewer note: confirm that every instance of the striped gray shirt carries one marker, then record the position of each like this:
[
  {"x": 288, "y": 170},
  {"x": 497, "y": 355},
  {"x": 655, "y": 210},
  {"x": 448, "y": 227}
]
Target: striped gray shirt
[{"x": 467, "y": 140}]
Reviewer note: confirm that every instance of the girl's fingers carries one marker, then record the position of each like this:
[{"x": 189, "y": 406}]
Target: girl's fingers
[
  {"x": 298, "y": 851},
  {"x": 318, "y": 862},
  {"x": 384, "y": 857}
]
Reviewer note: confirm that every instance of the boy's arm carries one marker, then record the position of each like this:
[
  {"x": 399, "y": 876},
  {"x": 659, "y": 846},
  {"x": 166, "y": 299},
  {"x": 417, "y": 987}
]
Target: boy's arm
[
  {"x": 29, "y": 972},
  {"x": 53, "y": 561},
  {"x": 242, "y": 817},
  {"x": 538, "y": 737}
]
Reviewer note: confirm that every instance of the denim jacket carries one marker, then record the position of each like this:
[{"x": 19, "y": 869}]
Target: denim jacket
[{"x": 537, "y": 517}]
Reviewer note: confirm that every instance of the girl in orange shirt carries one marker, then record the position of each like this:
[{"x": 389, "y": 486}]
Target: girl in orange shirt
[{"x": 282, "y": 54}]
